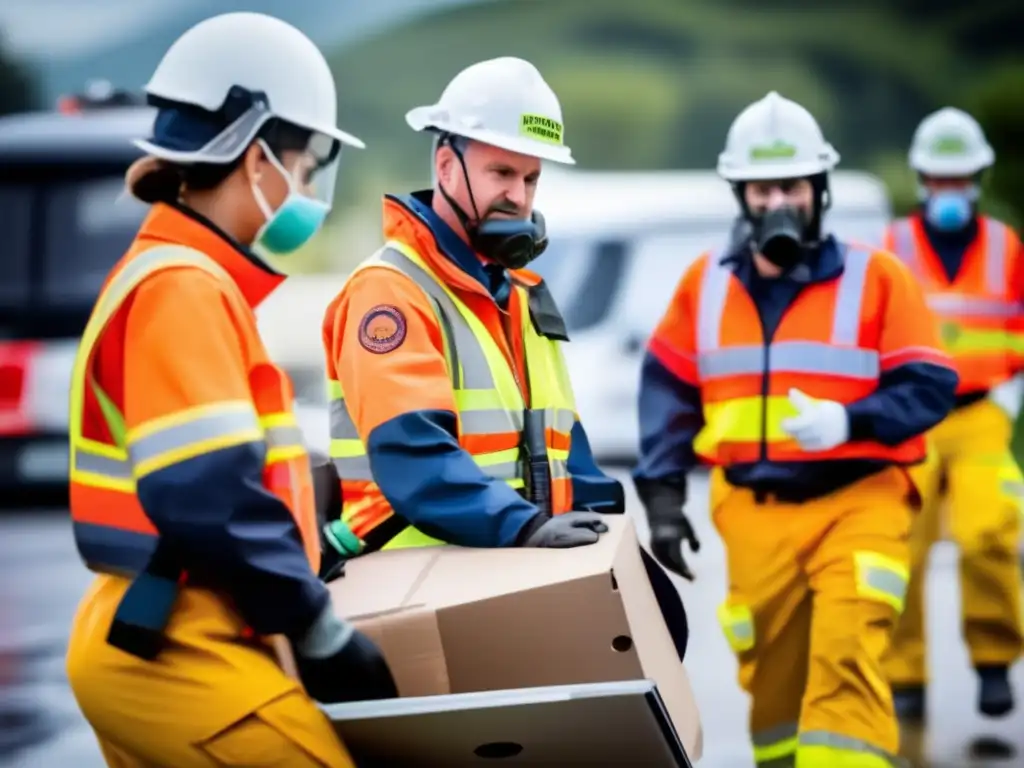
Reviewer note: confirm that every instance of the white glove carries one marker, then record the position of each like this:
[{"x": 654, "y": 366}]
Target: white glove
[
  {"x": 819, "y": 425},
  {"x": 1008, "y": 396}
]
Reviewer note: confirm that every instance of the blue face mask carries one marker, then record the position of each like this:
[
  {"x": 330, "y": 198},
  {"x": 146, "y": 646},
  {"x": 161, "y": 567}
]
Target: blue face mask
[
  {"x": 949, "y": 211},
  {"x": 294, "y": 222}
]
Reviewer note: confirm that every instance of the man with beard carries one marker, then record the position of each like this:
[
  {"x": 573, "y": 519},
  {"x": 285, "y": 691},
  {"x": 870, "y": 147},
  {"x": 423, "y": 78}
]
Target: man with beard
[
  {"x": 453, "y": 420},
  {"x": 805, "y": 370}
]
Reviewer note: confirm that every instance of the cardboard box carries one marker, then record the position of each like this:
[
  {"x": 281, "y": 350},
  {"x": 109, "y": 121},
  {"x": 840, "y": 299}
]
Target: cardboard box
[{"x": 459, "y": 620}]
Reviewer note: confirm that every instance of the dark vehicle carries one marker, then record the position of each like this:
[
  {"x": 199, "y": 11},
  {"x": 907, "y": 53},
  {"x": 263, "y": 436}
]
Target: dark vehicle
[{"x": 65, "y": 223}]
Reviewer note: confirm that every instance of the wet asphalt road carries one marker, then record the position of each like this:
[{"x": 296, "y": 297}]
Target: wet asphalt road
[{"x": 41, "y": 582}]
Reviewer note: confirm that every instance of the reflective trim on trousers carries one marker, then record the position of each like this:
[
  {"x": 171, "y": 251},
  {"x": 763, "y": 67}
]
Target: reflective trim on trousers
[
  {"x": 775, "y": 747},
  {"x": 840, "y": 749}
]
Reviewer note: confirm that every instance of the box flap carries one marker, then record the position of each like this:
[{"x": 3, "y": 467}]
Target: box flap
[
  {"x": 411, "y": 642},
  {"x": 382, "y": 581}
]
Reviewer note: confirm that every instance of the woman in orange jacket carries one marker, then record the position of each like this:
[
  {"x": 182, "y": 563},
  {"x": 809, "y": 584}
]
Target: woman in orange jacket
[{"x": 191, "y": 492}]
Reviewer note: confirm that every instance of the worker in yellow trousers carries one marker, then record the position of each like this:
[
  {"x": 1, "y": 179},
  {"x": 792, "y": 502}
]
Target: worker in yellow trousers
[
  {"x": 970, "y": 267},
  {"x": 806, "y": 371}
]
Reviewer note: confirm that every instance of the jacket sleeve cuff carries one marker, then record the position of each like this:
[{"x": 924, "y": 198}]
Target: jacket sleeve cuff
[
  {"x": 532, "y": 526},
  {"x": 861, "y": 424}
]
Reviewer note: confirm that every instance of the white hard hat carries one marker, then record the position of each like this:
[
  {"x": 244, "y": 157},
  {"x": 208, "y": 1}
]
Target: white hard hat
[
  {"x": 260, "y": 54},
  {"x": 950, "y": 143},
  {"x": 503, "y": 102},
  {"x": 775, "y": 138}
]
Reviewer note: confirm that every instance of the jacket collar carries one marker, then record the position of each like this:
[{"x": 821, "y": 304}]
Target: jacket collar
[
  {"x": 174, "y": 225},
  {"x": 830, "y": 256},
  {"x": 410, "y": 219}
]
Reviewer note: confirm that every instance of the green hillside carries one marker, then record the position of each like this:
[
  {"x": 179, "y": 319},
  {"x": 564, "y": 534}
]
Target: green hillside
[{"x": 655, "y": 83}]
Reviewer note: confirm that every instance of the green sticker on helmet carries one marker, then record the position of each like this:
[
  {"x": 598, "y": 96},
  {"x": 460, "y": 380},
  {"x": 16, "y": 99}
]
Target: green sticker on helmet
[
  {"x": 949, "y": 145},
  {"x": 777, "y": 150},
  {"x": 541, "y": 128}
]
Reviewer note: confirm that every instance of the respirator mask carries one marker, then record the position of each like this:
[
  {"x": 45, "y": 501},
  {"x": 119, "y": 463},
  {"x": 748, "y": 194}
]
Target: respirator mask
[
  {"x": 778, "y": 234},
  {"x": 949, "y": 210}
]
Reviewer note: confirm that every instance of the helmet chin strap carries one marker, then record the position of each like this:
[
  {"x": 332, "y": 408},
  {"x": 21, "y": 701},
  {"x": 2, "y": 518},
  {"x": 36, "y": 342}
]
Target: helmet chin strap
[{"x": 467, "y": 223}]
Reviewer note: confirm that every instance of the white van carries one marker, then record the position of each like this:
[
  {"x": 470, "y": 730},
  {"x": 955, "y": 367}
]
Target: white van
[
  {"x": 619, "y": 242},
  {"x": 290, "y": 322}
]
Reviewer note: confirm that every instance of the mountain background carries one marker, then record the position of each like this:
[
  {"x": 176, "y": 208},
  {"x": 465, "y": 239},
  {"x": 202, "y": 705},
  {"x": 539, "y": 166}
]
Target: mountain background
[
  {"x": 644, "y": 84},
  {"x": 647, "y": 84}
]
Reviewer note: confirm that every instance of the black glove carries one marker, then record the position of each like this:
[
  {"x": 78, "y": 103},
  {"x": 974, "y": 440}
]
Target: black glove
[
  {"x": 338, "y": 663},
  {"x": 326, "y": 488},
  {"x": 572, "y": 529},
  {"x": 670, "y": 527}
]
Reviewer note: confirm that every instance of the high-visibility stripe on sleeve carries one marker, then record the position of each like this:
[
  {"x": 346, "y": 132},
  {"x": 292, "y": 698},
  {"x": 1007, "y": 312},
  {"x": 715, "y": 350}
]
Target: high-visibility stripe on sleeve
[
  {"x": 897, "y": 357},
  {"x": 101, "y": 466},
  {"x": 283, "y": 436},
  {"x": 184, "y": 435}
]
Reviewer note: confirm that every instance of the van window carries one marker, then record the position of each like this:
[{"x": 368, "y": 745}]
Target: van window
[
  {"x": 16, "y": 260},
  {"x": 658, "y": 264},
  {"x": 89, "y": 225},
  {"x": 583, "y": 275},
  {"x": 590, "y": 279}
]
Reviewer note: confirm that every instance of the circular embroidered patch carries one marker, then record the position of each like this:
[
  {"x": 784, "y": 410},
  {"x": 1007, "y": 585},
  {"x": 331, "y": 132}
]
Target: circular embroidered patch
[{"x": 382, "y": 329}]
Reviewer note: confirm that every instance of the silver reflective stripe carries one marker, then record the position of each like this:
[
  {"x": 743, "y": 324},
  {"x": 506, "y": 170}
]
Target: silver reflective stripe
[
  {"x": 342, "y": 426},
  {"x": 489, "y": 422},
  {"x": 840, "y": 356},
  {"x": 476, "y": 373},
  {"x": 353, "y": 468},
  {"x": 995, "y": 257},
  {"x": 810, "y": 357},
  {"x": 713, "y": 291},
  {"x": 903, "y": 242},
  {"x": 560, "y": 419},
  {"x": 284, "y": 437},
  {"x": 508, "y": 470},
  {"x": 849, "y": 297},
  {"x": 742, "y": 630},
  {"x": 102, "y": 465},
  {"x": 146, "y": 262},
  {"x": 559, "y": 469},
  {"x": 886, "y": 581},
  {"x": 848, "y": 744},
  {"x": 960, "y": 304},
  {"x": 767, "y": 737},
  {"x": 209, "y": 427}
]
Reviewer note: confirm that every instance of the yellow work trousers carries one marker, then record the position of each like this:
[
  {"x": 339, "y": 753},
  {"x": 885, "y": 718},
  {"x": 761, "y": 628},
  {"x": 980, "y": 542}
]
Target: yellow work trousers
[
  {"x": 814, "y": 592},
  {"x": 210, "y": 699},
  {"x": 971, "y": 490}
]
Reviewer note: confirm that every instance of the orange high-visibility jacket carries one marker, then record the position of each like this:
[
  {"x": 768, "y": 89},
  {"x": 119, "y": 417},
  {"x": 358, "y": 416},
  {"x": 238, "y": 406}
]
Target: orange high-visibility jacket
[
  {"x": 834, "y": 342},
  {"x": 182, "y": 435},
  {"x": 431, "y": 378},
  {"x": 980, "y": 311}
]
